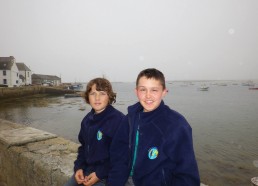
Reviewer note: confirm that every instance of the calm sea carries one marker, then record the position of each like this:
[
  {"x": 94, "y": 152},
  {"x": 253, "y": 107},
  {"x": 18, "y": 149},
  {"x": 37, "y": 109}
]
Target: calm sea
[{"x": 224, "y": 122}]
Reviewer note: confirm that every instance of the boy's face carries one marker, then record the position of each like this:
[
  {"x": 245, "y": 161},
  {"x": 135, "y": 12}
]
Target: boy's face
[
  {"x": 98, "y": 99},
  {"x": 150, "y": 93}
]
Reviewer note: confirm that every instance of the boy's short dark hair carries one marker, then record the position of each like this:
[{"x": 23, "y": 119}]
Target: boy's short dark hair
[
  {"x": 102, "y": 84},
  {"x": 152, "y": 73}
]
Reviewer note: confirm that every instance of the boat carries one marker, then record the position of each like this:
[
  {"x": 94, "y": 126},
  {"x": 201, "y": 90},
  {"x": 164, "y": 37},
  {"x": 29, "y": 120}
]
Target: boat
[
  {"x": 76, "y": 87},
  {"x": 253, "y": 88},
  {"x": 72, "y": 95},
  {"x": 248, "y": 83},
  {"x": 222, "y": 84},
  {"x": 254, "y": 180},
  {"x": 203, "y": 88}
]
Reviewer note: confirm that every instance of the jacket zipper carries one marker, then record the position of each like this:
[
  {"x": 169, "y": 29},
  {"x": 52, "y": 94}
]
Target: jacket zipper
[
  {"x": 88, "y": 145},
  {"x": 135, "y": 150},
  {"x": 163, "y": 173}
]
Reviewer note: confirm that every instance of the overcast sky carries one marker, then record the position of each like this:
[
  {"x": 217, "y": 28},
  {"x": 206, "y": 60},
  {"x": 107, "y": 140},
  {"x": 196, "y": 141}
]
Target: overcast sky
[{"x": 83, "y": 39}]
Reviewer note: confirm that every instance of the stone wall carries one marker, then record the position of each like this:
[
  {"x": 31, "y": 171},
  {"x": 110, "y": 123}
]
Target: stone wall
[
  {"x": 33, "y": 157},
  {"x": 31, "y": 90}
]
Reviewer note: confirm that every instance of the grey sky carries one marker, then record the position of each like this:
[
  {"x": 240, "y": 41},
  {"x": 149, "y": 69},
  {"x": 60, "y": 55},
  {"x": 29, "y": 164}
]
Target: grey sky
[{"x": 83, "y": 39}]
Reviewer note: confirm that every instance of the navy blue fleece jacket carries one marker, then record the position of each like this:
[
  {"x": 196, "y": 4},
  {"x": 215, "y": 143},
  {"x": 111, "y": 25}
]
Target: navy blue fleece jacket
[
  {"x": 165, "y": 154},
  {"x": 95, "y": 136}
]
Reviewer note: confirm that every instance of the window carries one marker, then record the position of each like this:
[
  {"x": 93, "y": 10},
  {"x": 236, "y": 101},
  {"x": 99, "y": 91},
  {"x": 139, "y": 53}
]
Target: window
[
  {"x": 5, "y": 81},
  {"x": 4, "y": 73},
  {"x": 28, "y": 74},
  {"x": 17, "y": 75}
]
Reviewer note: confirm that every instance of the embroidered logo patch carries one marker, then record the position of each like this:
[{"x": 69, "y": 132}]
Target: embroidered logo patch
[
  {"x": 153, "y": 153},
  {"x": 99, "y": 135}
]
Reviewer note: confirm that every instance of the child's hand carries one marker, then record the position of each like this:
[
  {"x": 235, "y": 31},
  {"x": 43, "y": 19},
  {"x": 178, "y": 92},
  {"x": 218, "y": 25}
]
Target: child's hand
[
  {"x": 91, "y": 179},
  {"x": 79, "y": 176}
]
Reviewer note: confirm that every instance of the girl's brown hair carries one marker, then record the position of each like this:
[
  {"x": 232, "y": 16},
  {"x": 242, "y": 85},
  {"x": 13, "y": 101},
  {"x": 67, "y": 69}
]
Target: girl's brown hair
[{"x": 102, "y": 84}]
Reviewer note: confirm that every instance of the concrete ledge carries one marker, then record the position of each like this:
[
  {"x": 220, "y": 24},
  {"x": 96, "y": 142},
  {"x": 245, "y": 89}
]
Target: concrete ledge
[
  {"x": 21, "y": 136},
  {"x": 32, "y": 157}
]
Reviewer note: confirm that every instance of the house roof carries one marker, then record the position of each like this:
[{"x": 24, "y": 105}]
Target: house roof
[
  {"x": 6, "y": 63},
  {"x": 45, "y": 77},
  {"x": 22, "y": 67}
]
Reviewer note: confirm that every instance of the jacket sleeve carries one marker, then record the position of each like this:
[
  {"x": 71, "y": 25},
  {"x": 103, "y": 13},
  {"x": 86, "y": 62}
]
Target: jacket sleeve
[
  {"x": 119, "y": 156},
  {"x": 180, "y": 148},
  {"x": 102, "y": 170},
  {"x": 80, "y": 162}
]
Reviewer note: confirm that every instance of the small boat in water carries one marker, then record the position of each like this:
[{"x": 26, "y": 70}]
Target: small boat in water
[
  {"x": 253, "y": 88},
  {"x": 203, "y": 88},
  {"x": 72, "y": 95},
  {"x": 254, "y": 181},
  {"x": 76, "y": 87},
  {"x": 248, "y": 83}
]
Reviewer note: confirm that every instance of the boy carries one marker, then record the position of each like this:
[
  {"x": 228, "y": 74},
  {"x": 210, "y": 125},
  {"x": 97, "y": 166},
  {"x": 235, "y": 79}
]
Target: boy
[
  {"x": 153, "y": 145},
  {"x": 97, "y": 129}
]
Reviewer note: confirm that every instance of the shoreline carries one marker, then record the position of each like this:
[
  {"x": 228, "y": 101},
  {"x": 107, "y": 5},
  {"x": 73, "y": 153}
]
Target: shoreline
[{"x": 11, "y": 92}]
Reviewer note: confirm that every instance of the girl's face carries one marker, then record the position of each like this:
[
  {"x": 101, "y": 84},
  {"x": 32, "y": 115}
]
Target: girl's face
[
  {"x": 98, "y": 99},
  {"x": 150, "y": 93}
]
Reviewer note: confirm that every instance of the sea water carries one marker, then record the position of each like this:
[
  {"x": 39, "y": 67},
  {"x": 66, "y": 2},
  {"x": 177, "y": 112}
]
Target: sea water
[{"x": 224, "y": 120}]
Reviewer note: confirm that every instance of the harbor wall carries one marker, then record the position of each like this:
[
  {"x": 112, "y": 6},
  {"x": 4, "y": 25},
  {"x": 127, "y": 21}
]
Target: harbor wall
[
  {"x": 33, "y": 157},
  {"x": 14, "y": 92},
  {"x": 30, "y": 157}
]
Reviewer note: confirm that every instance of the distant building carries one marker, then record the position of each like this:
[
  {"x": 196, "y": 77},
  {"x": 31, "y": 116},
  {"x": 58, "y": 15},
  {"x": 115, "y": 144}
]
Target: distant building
[
  {"x": 25, "y": 74},
  {"x": 14, "y": 74},
  {"x": 39, "y": 79},
  {"x": 9, "y": 73}
]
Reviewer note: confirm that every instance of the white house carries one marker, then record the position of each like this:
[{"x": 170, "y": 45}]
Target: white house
[
  {"x": 14, "y": 74},
  {"x": 24, "y": 74},
  {"x": 9, "y": 73}
]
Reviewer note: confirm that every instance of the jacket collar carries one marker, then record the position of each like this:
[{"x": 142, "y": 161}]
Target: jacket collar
[
  {"x": 101, "y": 115},
  {"x": 145, "y": 116}
]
